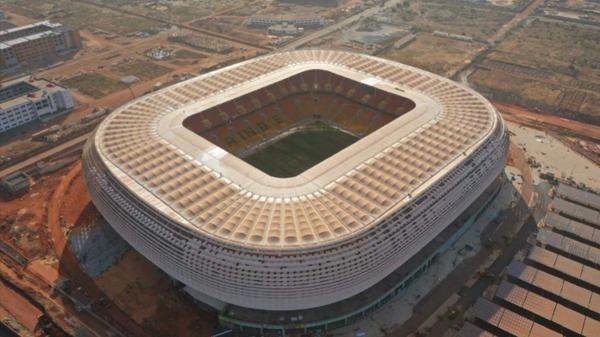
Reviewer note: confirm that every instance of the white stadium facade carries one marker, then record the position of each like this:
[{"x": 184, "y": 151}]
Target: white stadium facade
[{"x": 321, "y": 248}]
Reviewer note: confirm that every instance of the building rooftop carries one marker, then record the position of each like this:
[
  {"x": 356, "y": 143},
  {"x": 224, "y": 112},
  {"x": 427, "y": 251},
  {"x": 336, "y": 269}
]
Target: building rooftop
[
  {"x": 36, "y": 27},
  {"x": 32, "y": 89},
  {"x": 145, "y": 145},
  {"x": 21, "y": 34}
]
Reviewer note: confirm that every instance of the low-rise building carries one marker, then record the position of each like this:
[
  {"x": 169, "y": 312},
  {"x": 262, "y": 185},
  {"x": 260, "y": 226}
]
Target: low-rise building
[
  {"x": 37, "y": 44},
  {"x": 26, "y": 99},
  {"x": 285, "y": 29},
  {"x": 304, "y": 22},
  {"x": 15, "y": 183}
]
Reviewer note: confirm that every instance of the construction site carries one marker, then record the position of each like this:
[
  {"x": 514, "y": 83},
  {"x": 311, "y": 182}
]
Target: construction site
[{"x": 529, "y": 264}]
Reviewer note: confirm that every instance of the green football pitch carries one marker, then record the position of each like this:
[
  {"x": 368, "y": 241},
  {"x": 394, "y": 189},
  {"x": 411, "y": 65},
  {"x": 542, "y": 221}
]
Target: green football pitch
[{"x": 299, "y": 151}]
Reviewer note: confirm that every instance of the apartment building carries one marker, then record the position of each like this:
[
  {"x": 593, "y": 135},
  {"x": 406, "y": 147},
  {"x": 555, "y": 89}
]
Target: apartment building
[{"x": 35, "y": 45}]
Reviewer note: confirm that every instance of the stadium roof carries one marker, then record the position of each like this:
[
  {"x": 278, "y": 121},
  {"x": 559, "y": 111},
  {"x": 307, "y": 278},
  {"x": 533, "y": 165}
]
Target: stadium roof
[{"x": 207, "y": 189}]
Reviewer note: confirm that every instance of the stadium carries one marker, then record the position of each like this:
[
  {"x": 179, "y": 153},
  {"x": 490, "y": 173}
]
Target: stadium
[{"x": 297, "y": 190}]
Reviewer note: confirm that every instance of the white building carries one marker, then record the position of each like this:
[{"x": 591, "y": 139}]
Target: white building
[{"x": 24, "y": 100}]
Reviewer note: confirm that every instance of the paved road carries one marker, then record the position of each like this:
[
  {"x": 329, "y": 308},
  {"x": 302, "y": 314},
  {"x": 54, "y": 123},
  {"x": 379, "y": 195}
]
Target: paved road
[
  {"x": 516, "y": 20},
  {"x": 499, "y": 36},
  {"x": 455, "y": 282},
  {"x": 508, "y": 251},
  {"x": 330, "y": 29},
  {"x": 462, "y": 75},
  {"x": 510, "y": 220},
  {"x": 76, "y": 142}
]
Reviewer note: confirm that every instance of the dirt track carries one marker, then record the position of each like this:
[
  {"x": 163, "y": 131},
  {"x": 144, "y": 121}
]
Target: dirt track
[
  {"x": 521, "y": 115},
  {"x": 501, "y": 33}
]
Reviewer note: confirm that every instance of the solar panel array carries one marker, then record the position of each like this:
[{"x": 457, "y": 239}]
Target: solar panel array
[
  {"x": 555, "y": 291},
  {"x": 543, "y": 281},
  {"x": 545, "y": 308},
  {"x": 576, "y": 228},
  {"x": 569, "y": 246},
  {"x": 567, "y": 266},
  {"x": 585, "y": 214},
  {"x": 585, "y": 198},
  {"x": 495, "y": 316}
]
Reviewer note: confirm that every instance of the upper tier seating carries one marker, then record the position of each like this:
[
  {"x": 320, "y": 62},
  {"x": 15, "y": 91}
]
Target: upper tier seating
[{"x": 309, "y": 96}]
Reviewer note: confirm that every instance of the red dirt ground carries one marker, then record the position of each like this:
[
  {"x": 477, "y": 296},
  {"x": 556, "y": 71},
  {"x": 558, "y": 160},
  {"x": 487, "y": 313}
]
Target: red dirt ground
[
  {"x": 18, "y": 306},
  {"x": 25, "y": 218},
  {"x": 518, "y": 159},
  {"x": 139, "y": 294},
  {"x": 69, "y": 265},
  {"x": 572, "y": 133},
  {"x": 537, "y": 120}
]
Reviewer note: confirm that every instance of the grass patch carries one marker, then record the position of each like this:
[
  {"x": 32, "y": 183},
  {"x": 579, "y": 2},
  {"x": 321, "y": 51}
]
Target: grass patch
[
  {"x": 300, "y": 150},
  {"x": 453, "y": 17},
  {"x": 442, "y": 56},
  {"x": 526, "y": 89},
  {"x": 552, "y": 46},
  {"x": 84, "y": 16},
  {"x": 184, "y": 54},
  {"x": 93, "y": 84},
  {"x": 145, "y": 70},
  {"x": 560, "y": 70}
]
